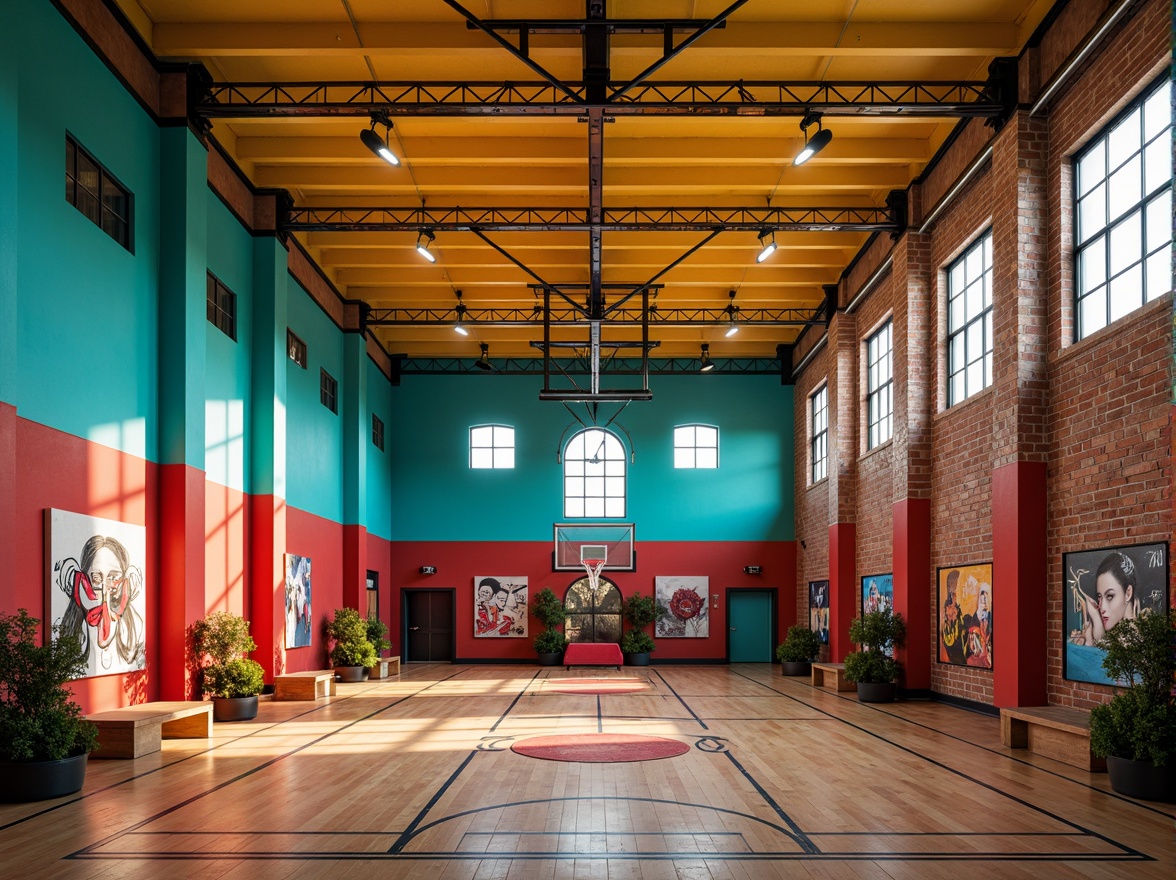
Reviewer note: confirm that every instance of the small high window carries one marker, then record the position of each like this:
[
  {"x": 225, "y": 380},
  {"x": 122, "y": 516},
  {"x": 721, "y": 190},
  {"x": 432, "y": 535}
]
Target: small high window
[
  {"x": 295, "y": 348},
  {"x": 328, "y": 391},
  {"x": 819, "y": 434},
  {"x": 696, "y": 446},
  {"x": 93, "y": 190},
  {"x": 222, "y": 307},
  {"x": 377, "y": 432},
  {"x": 492, "y": 446},
  {"x": 1123, "y": 220},
  {"x": 879, "y": 387},
  {"x": 594, "y": 475},
  {"x": 969, "y": 322}
]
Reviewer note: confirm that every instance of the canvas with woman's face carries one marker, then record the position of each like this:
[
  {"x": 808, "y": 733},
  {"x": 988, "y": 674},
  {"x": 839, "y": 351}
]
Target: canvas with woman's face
[{"x": 1102, "y": 588}]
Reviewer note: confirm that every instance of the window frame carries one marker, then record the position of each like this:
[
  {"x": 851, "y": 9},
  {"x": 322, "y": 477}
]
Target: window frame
[
  {"x": 982, "y": 320},
  {"x": 377, "y": 432},
  {"x": 296, "y": 349},
  {"x": 1134, "y": 276},
  {"x": 328, "y": 391},
  {"x": 882, "y": 392},
  {"x": 819, "y": 434},
  {"x": 610, "y": 442},
  {"x": 507, "y": 462},
  {"x": 104, "y": 215},
  {"x": 694, "y": 447},
  {"x": 221, "y": 306}
]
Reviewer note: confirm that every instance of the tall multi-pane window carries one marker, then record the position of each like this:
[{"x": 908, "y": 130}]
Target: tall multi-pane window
[
  {"x": 221, "y": 307},
  {"x": 969, "y": 321},
  {"x": 879, "y": 388},
  {"x": 92, "y": 190},
  {"x": 594, "y": 475},
  {"x": 819, "y": 434},
  {"x": 492, "y": 446},
  {"x": 696, "y": 446},
  {"x": 1123, "y": 235}
]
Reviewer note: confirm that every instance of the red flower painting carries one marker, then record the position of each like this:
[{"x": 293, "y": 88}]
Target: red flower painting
[{"x": 686, "y": 600}]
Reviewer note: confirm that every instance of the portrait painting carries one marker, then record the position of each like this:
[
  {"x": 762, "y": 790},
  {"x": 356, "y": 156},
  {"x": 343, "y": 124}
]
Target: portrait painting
[
  {"x": 819, "y": 609},
  {"x": 877, "y": 593},
  {"x": 684, "y": 598},
  {"x": 500, "y": 607},
  {"x": 96, "y": 591},
  {"x": 965, "y": 615},
  {"x": 1100, "y": 589},
  {"x": 299, "y": 632}
]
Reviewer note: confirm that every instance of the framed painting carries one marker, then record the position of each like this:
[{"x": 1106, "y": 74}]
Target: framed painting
[
  {"x": 94, "y": 572},
  {"x": 819, "y": 609},
  {"x": 685, "y": 598},
  {"x": 965, "y": 615},
  {"x": 500, "y": 607},
  {"x": 299, "y": 633},
  {"x": 877, "y": 592},
  {"x": 1100, "y": 588}
]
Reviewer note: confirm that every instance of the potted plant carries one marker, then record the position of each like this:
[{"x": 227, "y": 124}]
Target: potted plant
[
  {"x": 547, "y": 608},
  {"x": 1136, "y": 730},
  {"x": 44, "y": 741},
  {"x": 636, "y": 644},
  {"x": 798, "y": 650},
  {"x": 219, "y": 643},
  {"x": 352, "y": 654},
  {"x": 377, "y": 634},
  {"x": 877, "y": 633}
]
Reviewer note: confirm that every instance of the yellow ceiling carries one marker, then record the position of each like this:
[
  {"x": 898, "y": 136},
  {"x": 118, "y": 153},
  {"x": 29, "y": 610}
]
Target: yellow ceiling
[{"x": 542, "y": 161}]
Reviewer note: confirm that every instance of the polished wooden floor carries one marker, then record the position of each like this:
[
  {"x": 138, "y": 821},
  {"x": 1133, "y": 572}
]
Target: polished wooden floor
[{"x": 415, "y": 778}]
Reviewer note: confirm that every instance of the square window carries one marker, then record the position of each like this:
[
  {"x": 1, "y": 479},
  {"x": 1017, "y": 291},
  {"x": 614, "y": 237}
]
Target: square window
[
  {"x": 222, "y": 307},
  {"x": 377, "y": 432},
  {"x": 93, "y": 190},
  {"x": 329, "y": 391},
  {"x": 696, "y": 446},
  {"x": 295, "y": 348},
  {"x": 492, "y": 447}
]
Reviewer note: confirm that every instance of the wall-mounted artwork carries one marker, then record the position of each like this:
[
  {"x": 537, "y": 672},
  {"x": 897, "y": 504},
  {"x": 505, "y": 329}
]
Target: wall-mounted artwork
[
  {"x": 95, "y": 575},
  {"x": 965, "y": 615},
  {"x": 877, "y": 592},
  {"x": 1102, "y": 587},
  {"x": 685, "y": 598},
  {"x": 819, "y": 609},
  {"x": 500, "y": 607},
  {"x": 298, "y": 615}
]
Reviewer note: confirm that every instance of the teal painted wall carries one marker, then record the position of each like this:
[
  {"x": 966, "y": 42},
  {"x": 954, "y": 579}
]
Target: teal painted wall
[
  {"x": 436, "y": 497},
  {"x": 314, "y": 434},
  {"x": 226, "y": 387},
  {"x": 379, "y": 464},
  {"x": 86, "y": 308}
]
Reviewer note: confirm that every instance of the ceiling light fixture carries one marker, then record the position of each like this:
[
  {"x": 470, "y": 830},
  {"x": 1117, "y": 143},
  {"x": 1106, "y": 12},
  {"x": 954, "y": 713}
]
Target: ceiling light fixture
[
  {"x": 424, "y": 239},
  {"x": 705, "y": 364},
  {"x": 814, "y": 144},
  {"x": 483, "y": 363},
  {"x": 375, "y": 143},
  {"x": 767, "y": 238},
  {"x": 732, "y": 311},
  {"x": 459, "y": 325}
]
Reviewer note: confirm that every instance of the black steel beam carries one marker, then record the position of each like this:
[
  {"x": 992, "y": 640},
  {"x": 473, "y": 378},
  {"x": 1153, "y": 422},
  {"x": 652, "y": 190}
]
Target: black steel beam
[
  {"x": 578, "y": 25},
  {"x": 670, "y": 98},
  {"x": 405, "y": 317},
  {"x": 616, "y": 366},
  {"x": 444, "y": 219}
]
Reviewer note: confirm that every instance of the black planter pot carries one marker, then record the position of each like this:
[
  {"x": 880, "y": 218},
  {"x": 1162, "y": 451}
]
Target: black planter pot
[
  {"x": 234, "y": 708},
  {"x": 351, "y": 673},
  {"x": 796, "y": 667},
  {"x": 25, "y": 781},
  {"x": 641, "y": 659},
  {"x": 876, "y": 691},
  {"x": 1143, "y": 779},
  {"x": 547, "y": 658}
]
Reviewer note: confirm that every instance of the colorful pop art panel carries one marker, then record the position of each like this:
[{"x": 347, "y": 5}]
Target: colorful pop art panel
[
  {"x": 500, "y": 607},
  {"x": 819, "y": 609},
  {"x": 965, "y": 615},
  {"x": 685, "y": 598},
  {"x": 299, "y": 633}
]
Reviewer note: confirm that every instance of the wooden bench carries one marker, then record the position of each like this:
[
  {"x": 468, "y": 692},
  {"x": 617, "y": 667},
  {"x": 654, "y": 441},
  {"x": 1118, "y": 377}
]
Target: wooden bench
[
  {"x": 831, "y": 676},
  {"x": 304, "y": 685},
  {"x": 385, "y": 667},
  {"x": 134, "y": 731},
  {"x": 1057, "y": 732},
  {"x": 593, "y": 654}
]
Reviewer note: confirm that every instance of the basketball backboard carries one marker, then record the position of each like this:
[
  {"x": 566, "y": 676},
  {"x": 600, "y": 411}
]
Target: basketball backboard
[{"x": 576, "y": 543}]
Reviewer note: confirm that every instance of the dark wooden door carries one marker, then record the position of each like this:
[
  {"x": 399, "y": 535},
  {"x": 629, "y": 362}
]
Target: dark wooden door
[{"x": 428, "y": 620}]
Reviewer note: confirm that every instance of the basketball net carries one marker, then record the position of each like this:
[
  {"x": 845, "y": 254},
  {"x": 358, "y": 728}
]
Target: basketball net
[{"x": 594, "y": 567}]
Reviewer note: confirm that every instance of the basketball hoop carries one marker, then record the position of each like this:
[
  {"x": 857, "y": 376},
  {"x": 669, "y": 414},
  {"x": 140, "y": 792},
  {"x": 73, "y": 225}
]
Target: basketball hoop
[{"x": 594, "y": 567}]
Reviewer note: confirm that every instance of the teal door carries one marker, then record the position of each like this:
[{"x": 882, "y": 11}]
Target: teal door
[{"x": 749, "y": 616}]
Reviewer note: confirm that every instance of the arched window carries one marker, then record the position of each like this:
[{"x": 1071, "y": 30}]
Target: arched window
[
  {"x": 594, "y": 475},
  {"x": 593, "y": 617}
]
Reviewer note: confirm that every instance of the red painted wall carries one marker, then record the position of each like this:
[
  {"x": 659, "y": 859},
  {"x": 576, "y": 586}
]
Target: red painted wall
[
  {"x": 459, "y": 563},
  {"x": 322, "y": 541}
]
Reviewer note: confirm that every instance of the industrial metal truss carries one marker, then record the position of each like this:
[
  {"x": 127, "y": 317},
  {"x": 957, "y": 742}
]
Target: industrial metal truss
[
  {"x": 666, "y": 98},
  {"x": 576, "y": 366},
  {"x": 806, "y": 219},
  {"x": 572, "y": 316}
]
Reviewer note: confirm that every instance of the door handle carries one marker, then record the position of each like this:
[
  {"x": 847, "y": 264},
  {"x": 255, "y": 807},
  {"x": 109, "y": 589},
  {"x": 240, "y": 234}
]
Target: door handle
[
  {"x": 732, "y": 629},
  {"x": 413, "y": 628}
]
